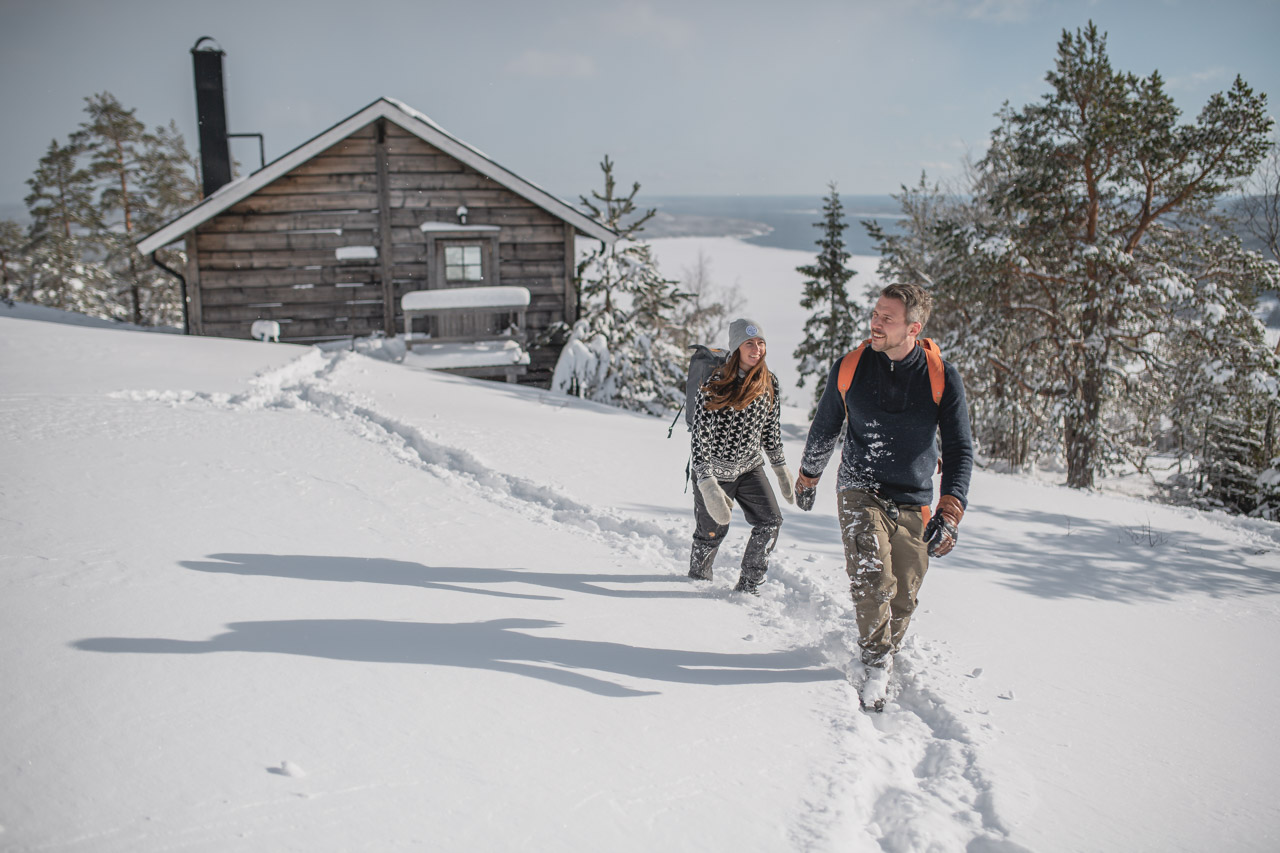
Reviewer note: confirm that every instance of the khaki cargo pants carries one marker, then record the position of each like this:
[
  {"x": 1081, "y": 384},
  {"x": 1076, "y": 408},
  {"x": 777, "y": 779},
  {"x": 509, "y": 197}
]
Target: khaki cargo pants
[{"x": 886, "y": 560}]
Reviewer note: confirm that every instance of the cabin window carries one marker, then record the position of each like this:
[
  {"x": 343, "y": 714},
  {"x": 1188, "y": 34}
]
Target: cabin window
[{"x": 463, "y": 263}]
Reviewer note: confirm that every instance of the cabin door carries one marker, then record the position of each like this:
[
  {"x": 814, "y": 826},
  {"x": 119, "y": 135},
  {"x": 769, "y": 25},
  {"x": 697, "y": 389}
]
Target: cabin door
[{"x": 464, "y": 263}]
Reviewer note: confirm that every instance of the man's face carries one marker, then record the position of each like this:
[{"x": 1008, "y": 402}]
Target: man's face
[
  {"x": 751, "y": 352},
  {"x": 890, "y": 332}
]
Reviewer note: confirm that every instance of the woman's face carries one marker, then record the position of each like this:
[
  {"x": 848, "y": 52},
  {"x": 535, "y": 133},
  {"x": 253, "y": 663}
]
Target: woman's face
[{"x": 751, "y": 352}]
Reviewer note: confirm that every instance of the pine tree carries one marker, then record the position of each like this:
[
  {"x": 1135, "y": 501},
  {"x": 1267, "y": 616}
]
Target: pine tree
[
  {"x": 626, "y": 309},
  {"x": 832, "y": 329},
  {"x": 90, "y": 200},
  {"x": 12, "y": 242},
  {"x": 1091, "y": 195},
  {"x": 1084, "y": 284},
  {"x": 61, "y": 199},
  {"x": 115, "y": 142},
  {"x": 930, "y": 247},
  {"x": 59, "y": 268},
  {"x": 169, "y": 178},
  {"x": 169, "y": 187}
]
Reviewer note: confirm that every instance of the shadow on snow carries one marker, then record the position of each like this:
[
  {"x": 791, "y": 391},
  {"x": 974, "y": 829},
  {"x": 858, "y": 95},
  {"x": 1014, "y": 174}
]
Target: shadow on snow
[
  {"x": 450, "y": 578},
  {"x": 500, "y": 645},
  {"x": 1058, "y": 556}
]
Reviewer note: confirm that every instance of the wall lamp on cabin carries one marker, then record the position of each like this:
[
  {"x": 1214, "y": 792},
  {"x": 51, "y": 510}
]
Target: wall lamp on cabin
[{"x": 462, "y": 214}]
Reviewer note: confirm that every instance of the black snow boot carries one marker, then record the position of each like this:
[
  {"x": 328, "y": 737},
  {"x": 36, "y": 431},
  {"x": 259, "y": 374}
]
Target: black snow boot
[
  {"x": 701, "y": 559},
  {"x": 749, "y": 581}
]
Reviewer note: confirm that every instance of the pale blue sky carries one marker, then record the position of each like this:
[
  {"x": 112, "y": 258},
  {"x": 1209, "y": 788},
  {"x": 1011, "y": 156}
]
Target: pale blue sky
[{"x": 687, "y": 97}]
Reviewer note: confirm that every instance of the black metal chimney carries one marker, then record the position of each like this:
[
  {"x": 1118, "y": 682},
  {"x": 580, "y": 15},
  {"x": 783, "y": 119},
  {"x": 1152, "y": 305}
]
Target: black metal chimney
[{"x": 211, "y": 109}]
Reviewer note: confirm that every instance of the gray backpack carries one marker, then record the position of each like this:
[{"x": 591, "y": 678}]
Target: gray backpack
[{"x": 702, "y": 364}]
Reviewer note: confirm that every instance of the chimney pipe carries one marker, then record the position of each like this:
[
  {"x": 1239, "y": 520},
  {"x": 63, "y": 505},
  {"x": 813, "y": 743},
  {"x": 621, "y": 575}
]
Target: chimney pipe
[{"x": 211, "y": 110}]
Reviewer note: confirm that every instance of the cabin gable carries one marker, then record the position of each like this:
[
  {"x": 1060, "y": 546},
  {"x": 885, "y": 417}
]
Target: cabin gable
[{"x": 328, "y": 248}]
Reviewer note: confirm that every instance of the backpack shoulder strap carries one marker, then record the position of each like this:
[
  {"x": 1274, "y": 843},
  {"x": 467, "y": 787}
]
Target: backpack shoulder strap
[
  {"x": 937, "y": 373},
  {"x": 848, "y": 365},
  {"x": 844, "y": 379},
  {"x": 932, "y": 354}
]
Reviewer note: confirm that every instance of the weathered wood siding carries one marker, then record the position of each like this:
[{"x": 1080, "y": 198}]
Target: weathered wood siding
[{"x": 273, "y": 255}]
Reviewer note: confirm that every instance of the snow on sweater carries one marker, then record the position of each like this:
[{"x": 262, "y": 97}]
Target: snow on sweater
[
  {"x": 891, "y": 435},
  {"x": 727, "y": 443}
]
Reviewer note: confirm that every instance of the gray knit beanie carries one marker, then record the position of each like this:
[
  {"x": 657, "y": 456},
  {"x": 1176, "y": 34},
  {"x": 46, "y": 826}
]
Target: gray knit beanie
[{"x": 743, "y": 330}]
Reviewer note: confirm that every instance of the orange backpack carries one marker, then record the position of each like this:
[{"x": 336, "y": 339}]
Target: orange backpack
[{"x": 937, "y": 374}]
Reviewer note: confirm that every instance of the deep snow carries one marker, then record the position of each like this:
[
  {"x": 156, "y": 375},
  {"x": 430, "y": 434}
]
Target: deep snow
[{"x": 265, "y": 597}]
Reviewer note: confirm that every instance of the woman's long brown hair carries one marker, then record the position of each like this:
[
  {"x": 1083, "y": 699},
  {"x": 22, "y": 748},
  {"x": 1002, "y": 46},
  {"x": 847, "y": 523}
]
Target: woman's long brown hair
[{"x": 724, "y": 388}]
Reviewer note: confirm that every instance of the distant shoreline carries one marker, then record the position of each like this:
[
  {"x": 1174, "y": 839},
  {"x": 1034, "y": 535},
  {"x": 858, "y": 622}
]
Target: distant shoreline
[{"x": 783, "y": 222}]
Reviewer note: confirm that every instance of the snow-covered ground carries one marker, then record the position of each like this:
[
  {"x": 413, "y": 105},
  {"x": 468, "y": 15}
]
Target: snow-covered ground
[{"x": 264, "y": 597}]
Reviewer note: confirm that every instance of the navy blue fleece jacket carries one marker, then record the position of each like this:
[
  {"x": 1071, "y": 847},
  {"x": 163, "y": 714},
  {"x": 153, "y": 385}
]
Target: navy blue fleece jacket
[{"x": 891, "y": 440}]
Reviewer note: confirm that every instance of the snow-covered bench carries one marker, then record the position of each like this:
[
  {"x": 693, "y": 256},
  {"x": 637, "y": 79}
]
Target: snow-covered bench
[{"x": 496, "y": 350}]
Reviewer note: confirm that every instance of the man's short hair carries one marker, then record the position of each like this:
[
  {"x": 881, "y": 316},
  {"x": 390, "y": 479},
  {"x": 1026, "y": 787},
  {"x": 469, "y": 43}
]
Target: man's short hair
[{"x": 918, "y": 301}]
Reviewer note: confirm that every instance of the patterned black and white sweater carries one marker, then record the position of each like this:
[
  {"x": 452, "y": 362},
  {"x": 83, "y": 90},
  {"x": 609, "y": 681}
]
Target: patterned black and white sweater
[{"x": 727, "y": 443}]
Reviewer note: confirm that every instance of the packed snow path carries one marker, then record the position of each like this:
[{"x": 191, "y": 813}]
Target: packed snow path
[{"x": 350, "y": 605}]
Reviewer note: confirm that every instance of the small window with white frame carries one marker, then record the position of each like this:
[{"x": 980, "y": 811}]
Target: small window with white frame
[{"x": 463, "y": 263}]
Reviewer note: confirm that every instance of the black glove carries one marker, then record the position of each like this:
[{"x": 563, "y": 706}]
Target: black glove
[
  {"x": 805, "y": 497},
  {"x": 941, "y": 536},
  {"x": 941, "y": 532}
]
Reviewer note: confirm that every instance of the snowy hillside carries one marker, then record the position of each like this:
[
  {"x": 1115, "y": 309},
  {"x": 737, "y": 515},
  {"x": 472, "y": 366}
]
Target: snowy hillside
[{"x": 262, "y": 597}]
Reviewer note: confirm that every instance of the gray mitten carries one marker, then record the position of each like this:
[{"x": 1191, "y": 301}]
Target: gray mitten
[
  {"x": 716, "y": 501},
  {"x": 786, "y": 483}
]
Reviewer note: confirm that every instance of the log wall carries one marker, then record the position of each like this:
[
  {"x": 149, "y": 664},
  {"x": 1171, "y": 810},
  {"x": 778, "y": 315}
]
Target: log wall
[{"x": 274, "y": 255}]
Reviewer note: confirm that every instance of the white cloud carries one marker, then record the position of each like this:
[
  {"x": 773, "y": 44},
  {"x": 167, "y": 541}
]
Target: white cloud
[{"x": 541, "y": 63}]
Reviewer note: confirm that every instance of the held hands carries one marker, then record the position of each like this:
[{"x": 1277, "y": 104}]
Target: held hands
[
  {"x": 716, "y": 501},
  {"x": 806, "y": 491},
  {"x": 941, "y": 532},
  {"x": 786, "y": 484}
]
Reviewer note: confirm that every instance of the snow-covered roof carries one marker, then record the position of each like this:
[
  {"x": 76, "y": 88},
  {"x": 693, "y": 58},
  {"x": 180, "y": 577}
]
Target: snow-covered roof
[
  {"x": 471, "y": 354},
  {"x": 465, "y": 297},
  {"x": 453, "y": 226},
  {"x": 403, "y": 116}
]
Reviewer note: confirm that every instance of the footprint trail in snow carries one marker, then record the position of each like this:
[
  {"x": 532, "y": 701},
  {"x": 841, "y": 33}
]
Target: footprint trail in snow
[{"x": 899, "y": 781}]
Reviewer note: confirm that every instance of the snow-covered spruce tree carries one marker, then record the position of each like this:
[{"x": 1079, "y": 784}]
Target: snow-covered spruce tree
[
  {"x": 626, "y": 311},
  {"x": 1268, "y": 487},
  {"x": 12, "y": 242},
  {"x": 832, "y": 329},
  {"x": 59, "y": 267},
  {"x": 1075, "y": 186},
  {"x": 1258, "y": 211},
  {"x": 1228, "y": 381}
]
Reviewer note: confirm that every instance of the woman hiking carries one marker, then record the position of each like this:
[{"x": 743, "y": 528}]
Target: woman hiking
[{"x": 736, "y": 416}]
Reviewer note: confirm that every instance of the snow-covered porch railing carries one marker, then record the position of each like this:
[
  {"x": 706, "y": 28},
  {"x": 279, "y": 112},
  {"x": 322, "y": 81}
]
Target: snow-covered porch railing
[{"x": 490, "y": 341}]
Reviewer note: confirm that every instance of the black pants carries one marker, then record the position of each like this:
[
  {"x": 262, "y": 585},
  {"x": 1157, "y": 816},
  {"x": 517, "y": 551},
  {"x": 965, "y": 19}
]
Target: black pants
[{"x": 754, "y": 494}]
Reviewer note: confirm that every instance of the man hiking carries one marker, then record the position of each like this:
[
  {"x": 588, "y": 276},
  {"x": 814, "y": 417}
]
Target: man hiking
[{"x": 900, "y": 398}]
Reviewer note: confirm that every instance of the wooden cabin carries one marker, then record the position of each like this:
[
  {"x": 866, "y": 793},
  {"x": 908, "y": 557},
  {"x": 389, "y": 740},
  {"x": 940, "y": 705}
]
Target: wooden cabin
[{"x": 328, "y": 238}]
